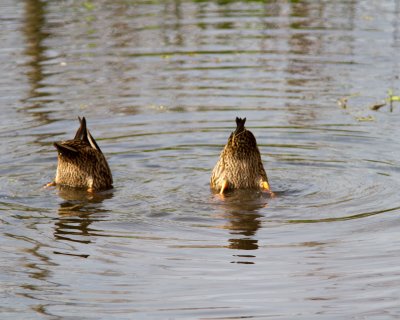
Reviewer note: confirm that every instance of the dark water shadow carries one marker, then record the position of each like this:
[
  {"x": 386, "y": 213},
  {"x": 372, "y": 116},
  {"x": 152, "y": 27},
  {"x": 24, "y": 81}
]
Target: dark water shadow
[
  {"x": 77, "y": 213},
  {"x": 241, "y": 211},
  {"x": 36, "y": 31}
]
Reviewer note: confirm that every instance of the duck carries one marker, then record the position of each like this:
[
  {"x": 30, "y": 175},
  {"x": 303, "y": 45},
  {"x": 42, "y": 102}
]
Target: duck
[
  {"x": 81, "y": 163},
  {"x": 240, "y": 165}
]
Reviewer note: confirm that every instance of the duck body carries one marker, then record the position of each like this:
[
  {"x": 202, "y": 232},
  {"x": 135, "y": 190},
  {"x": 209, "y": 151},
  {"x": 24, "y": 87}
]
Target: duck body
[
  {"x": 81, "y": 163},
  {"x": 240, "y": 165}
]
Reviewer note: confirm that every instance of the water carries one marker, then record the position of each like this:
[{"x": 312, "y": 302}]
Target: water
[{"x": 161, "y": 83}]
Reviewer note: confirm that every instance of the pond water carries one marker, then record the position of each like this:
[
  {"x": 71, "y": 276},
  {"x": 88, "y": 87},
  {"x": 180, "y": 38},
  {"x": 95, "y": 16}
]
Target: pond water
[{"x": 160, "y": 83}]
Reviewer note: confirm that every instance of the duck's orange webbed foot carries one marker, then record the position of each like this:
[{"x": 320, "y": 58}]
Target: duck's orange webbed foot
[
  {"x": 224, "y": 187},
  {"x": 221, "y": 194},
  {"x": 265, "y": 186},
  {"x": 50, "y": 184}
]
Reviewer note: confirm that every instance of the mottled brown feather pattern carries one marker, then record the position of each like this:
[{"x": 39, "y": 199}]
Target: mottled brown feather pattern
[
  {"x": 240, "y": 163},
  {"x": 81, "y": 164}
]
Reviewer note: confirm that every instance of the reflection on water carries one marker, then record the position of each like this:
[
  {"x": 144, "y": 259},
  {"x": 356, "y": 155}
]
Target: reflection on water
[
  {"x": 83, "y": 197},
  {"x": 244, "y": 225},
  {"x": 243, "y": 220},
  {"x": 161, "y": 84},
  {"x": 76, "y": 215},
  {"x": 35, "y": 34}
]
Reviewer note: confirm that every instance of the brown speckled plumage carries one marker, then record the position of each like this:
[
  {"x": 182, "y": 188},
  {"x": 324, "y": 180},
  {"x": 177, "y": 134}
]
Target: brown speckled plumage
[
  {"x": 81, "y": 163},
  {"x": 239, "y": 165}
]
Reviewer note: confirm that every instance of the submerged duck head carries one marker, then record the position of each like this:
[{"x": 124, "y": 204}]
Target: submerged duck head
[
  {"x": 81, "y": 163},
  {"x": 240, "y": 165}
]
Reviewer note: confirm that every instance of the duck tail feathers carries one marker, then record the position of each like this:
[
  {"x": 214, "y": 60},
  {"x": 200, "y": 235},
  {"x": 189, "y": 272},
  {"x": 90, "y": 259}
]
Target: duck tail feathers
[{"x": 240, "y": 125}]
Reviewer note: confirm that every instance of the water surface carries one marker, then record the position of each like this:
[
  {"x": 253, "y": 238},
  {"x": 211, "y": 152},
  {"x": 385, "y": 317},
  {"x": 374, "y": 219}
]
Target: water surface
[{"x": 161, "y": 83}]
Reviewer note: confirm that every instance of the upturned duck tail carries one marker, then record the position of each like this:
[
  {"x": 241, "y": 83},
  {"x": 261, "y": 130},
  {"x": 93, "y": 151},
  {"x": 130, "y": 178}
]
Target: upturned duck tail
[
  {"x": 82, "y": 129},
  {"x": 240, "y": 125},
  {"x": 83, "y": 134}
]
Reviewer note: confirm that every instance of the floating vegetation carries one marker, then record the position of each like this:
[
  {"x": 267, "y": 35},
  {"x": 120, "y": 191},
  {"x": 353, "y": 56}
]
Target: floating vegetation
[
  {"x": 378, "y": 105},
  {"x": 359, "y": 112},
  {"x": 389, "y": 100},
  {"x": 392, "y": 98},
  {"x": 365, "y": 118},
  {"x": 89, "y": 5},
  {"x": 342, "y": 102}
]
